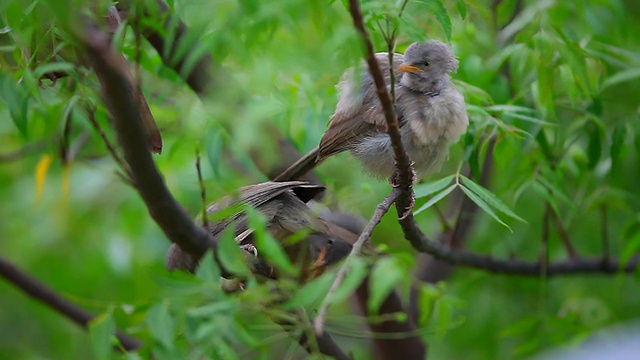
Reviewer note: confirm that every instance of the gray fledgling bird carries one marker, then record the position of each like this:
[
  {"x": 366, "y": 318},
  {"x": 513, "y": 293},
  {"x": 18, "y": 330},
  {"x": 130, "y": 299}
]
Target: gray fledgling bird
[
  {"x": 431, "y": 114},
  {"x": 283, "y": 205}
]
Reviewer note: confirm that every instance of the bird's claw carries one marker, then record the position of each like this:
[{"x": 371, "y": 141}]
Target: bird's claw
[
  {"x": 409, "y": 209},
  {"x": 250, "y": 248},
  {"x": 394, "y": 180}
]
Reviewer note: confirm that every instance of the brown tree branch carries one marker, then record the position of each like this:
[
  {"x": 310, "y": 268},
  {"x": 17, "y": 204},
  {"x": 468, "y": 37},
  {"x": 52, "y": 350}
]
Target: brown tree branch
[
  {"x": 198, "y": 76},
  {"x": 116, "y": 89},
  {"x": 49, "y": 297},
  {"x": 403, "y": 163}
]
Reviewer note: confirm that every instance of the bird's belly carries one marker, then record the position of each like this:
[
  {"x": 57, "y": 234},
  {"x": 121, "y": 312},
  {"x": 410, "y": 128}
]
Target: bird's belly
[{"x": 376, "y": 154}]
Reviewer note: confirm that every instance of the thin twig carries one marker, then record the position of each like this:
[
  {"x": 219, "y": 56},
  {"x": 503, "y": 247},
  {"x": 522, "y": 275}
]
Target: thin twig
[
  {"x": 381, "y": 209},
  {"x": 20, "y": 153},
  {"x": 544, "y": 243},
  {"x": 203, "y": 191},
  {"x": 91, "y": 115},
  {"x": 604, "y": 232},
  {"x": 564, "y": 237},
  {"x": 49, "y": 297}
]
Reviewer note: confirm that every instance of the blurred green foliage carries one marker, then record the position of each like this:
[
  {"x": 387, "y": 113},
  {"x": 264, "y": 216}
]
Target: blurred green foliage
[{"x": 554, "y": 82}]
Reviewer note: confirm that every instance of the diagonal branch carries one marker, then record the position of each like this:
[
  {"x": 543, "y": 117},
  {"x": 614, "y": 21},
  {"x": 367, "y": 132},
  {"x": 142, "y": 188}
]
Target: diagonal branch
[
  {"x": 49, "y": 297},
  {"x": 403, "y": 163},
  {"x": 383, "y": 207},
  {"x": 116, "y": 89}
]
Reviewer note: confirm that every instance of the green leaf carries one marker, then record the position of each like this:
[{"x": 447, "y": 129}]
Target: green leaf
[
  {"x": 630, "y": 249},
  {"x": 435, "y": 199},
  {"x": 428, "y": 297},
  {"x": 230, "y": 254},
  {"x": 431, "y": 187},
  {"x": 101, "y": 332},
  {"x": 214, "y": 144},
  {"x": 462, "y": 8},
  {"x": 17, "y": 99},
  {"x": 440, "y": 12},
  {"x": 312, "y": 293},
  {"x": 594, "y": 148},
  {"x": 358, "y": 270},
  {"x": 161, "y": 324},
  {"x": 444, "y": 317},
  {"x": 53, "y": 67},
  {"x": 483, "y": 205},
  {"x": 617, "y": 142},
  {"x": 490, "y": 198},
  {"x": 385, "y": 276},
  {"x": 208, "y": 269},
  {"x": 620, "y": 77},
  {"x": 521, "y": 327},
  {"x": 267, "y": 245}
]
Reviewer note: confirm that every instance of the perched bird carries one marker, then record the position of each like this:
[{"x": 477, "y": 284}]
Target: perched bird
[
  {"x": 283, "y": 205},
  {"x": 431, "y": 114}
]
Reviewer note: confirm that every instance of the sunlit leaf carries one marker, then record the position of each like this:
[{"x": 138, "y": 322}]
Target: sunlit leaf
[
  {"x": 431, "y": 187},
  {"x": 41, "y": 174},
  {"x": 435, "y": 199},
  {"x": 483, "y": 205},
  {"x": 489, "y": 197}
]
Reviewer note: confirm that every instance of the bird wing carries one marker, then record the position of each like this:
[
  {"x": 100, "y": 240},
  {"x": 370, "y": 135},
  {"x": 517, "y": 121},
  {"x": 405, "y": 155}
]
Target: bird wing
[{"x": 358, "y": 113}]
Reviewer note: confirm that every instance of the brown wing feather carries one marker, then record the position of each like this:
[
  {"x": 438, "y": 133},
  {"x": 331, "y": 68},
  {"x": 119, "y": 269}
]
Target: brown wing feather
[{"x": 349, "y": 125}]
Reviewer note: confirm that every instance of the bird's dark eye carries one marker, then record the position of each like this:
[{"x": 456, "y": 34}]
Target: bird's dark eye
[
  {"x": 426, "y": 63},
  {"x": 330, "y": 241}
]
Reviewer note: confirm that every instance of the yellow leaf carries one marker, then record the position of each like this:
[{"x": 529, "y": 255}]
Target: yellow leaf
[
  {"x": 66, "y": 171},
  {"x": 41, "y": 173}
]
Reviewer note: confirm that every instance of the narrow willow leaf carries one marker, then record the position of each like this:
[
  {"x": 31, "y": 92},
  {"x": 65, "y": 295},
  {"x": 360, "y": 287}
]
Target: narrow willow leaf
[
  {"x": 208, "y": 269},
  {"x": 16, "y": 97},
  {"x": 462, "y": 8},
  {"x": 101, "y": 331},
  {"x": 483, "y": 205},
  {"x": 617, "y": 141},
  {"x": 53, "y": 67},
  {"x": 42, "y": 168},
  {"x": 630, "y": 249},
  {"x": 312, "y": 293},
  {"x": 435, "y": 199},
  {"x": 161, "y": 324},
  {"x": 358, "y": 270},
  {"x": 440, "y": 13},
  {"x": 620, "y": 77},
  {"x": 385, "y": 276},
  {"x": 428, "y": 298},
  {"x": 230, "y": 255},
  {"x": 267, "y": 245},
  {"x": 490, "y": 198},
  {"x": 431, "y": 187},
  {"x": 530, "y": 119}
]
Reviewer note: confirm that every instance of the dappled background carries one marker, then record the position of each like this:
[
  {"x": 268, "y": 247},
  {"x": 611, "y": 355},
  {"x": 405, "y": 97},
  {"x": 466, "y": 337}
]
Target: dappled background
[{"x": 551, "y": 89}]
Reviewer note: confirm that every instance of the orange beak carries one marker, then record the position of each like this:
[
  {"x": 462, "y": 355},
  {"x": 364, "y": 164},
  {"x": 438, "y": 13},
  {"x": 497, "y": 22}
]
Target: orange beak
[{"x": 409, "y": 68}]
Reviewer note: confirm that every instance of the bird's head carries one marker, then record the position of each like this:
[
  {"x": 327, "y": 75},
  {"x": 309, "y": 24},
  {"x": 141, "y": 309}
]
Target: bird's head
[{"x": 426, "y": 64}]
